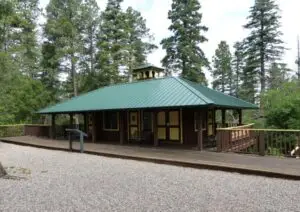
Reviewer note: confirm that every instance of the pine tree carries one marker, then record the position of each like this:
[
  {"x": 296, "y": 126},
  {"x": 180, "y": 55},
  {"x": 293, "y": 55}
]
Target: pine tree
[
  {"x": 28, "y": 52},
  {"x": 249, "y": 81},
  {"x": 222, "y": 72},
  {"x": 63, "y": 29},
  {"x": 139, "y": 40},
  {"x": 89, "y": 78},
  {"x": 91, "y": 24},
  {"x": 7, "y": 24},
  {"x": 183, "y": 52},
  {"x": 264, "y": 41},
  {"x": 49, "y": 74},
  {"x": 237, "y": 67},
  {"x": 124, "y": 42},
  {"x": 111, "y": 41}
]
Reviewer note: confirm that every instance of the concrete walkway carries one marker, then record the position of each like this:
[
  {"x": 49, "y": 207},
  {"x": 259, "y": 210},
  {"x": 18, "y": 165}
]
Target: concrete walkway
[{"x": 287, "y": 168}]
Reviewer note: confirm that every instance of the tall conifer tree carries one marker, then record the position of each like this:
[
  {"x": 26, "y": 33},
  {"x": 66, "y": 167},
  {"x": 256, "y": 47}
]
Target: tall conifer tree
[
  {"x": 222, "y": 72},
  {"x": 264, "y": 42},
  {"x": 237, "y": 67},
  {"x": 111, "y": 41},
  {"x": 183, "y": 50},
  {"x": 124, "y": 42},
  {"x": 63, "y": 29}
]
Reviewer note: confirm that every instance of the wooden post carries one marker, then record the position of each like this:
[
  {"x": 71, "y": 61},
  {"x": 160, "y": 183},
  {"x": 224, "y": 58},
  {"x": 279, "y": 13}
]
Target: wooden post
[
  {"x": 121, "y": 128},
  {"x": 200, "y": 132},
  {"x": 53, "y": 131},
  {"x": 219, "y": 140},
  {"x": 71, "y": 121},
  {"x": 70, "y": 134},
  {"x": 85, "y": 123},
  {"x": 223, "y": 117},
  {"x": 240, "y": 117},
  {"x": 261, "y": 145},
  {"x": 94, "y": 127},
  {"x": 155, "y": 132}
]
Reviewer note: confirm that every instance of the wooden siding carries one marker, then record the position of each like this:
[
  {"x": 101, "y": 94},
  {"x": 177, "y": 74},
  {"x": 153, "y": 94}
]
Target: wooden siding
[
  {"x": 189, "y": 135},
  {"x": 106, "y": 135}
]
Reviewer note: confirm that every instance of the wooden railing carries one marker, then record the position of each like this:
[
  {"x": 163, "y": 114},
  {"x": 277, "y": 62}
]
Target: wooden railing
[
  {"x": 233, "y": 138},
  {"x": 226, "y": 125},
  {"x": 245, "y": 139}
]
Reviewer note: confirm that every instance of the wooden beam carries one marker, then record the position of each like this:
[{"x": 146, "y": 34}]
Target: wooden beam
[
  {"x": 85, "y": 123},
  {"x": 200, "y": 132},
  {"x": 155, "y": 132},
  {"x": 71, "y": 121},
  {"x": 53, "y": 131},
  {"x": 261, "y": 144},
  {"x": 94, "y": 127},
  {"x": 70, "y": 134},
  {"x": 240, "y": 117},
  {"x": 214, "y": 121},
  {"x": 121, "y": 127},
  {"x": 223, "y": 118}
]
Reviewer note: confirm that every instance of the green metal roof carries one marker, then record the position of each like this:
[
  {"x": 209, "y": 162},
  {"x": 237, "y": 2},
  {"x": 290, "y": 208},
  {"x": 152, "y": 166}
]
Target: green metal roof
[{"x": 156, "y": 93}]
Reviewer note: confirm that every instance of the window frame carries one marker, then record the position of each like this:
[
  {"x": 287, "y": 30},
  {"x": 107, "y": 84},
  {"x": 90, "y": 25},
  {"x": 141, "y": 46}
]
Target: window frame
[{"x": 104, "y": 125}]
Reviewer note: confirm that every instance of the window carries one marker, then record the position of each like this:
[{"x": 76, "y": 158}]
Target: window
[
  {"x": 196, "y": 122},
  {"x": 111, "y": 121}
]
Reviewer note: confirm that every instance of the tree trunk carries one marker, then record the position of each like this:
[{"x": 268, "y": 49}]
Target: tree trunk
[
  {"x": 2, "y": 171},
  {"x": 262, "y": 57},
  {"x": 237, "y": 78},
  {"x": 92, "y": 52},
  {"x": 223, "y": 82},
  {"x": 262, "y": 72},
  {"x": 74, "y": 79},
  {"x": 73, "y": 73}
]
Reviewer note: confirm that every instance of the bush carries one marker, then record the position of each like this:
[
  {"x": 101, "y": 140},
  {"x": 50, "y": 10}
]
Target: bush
[
  {"x": 281, "y": 106},
  {"x": 11, "y": 130}
]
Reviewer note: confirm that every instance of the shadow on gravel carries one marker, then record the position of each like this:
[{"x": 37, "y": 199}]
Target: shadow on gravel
[
  {"x": 11, "y": 177},
  {"x": 4, "y": 172}
]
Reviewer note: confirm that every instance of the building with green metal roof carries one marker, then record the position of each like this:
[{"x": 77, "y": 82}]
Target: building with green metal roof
[{"x": 151, "y": 110}]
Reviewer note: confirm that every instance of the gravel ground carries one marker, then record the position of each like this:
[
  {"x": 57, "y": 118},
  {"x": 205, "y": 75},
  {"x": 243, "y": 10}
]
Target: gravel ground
[{"x": 61, "y": 181}]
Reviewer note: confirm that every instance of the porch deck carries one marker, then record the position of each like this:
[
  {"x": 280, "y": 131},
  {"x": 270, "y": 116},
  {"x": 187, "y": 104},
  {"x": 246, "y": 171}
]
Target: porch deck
[{"x": 286, "y": 168}]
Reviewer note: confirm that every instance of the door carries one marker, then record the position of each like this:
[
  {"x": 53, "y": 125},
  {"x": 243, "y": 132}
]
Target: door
[
  {"x": 134, "y": 125},
  {"x": 168, "y": 125},
  {"x": 210, "y": 123}
]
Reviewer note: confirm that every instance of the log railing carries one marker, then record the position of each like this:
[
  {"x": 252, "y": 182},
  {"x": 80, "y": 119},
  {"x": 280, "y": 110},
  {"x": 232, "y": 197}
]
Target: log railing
[{"x": 245, "y": 139}]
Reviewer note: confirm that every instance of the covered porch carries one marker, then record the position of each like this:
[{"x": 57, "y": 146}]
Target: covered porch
[{"x": 186, "y": 127}]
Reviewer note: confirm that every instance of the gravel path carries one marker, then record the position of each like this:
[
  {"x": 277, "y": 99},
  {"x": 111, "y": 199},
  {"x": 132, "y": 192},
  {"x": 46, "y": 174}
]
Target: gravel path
[{"x": 61, "y": 181}]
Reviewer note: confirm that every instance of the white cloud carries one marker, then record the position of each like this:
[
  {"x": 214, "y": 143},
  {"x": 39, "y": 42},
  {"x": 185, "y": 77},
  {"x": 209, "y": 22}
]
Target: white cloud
[{"x": 224, "y": 18}]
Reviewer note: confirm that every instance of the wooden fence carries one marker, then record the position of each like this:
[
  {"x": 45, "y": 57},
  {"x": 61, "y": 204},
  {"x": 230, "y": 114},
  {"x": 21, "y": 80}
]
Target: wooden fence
[{"x": 245, "y": 139}]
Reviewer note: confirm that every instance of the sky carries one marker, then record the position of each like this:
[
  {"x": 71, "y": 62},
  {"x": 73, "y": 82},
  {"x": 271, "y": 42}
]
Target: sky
[{"x": 224, "y": 18}]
